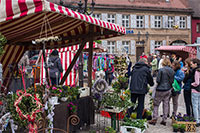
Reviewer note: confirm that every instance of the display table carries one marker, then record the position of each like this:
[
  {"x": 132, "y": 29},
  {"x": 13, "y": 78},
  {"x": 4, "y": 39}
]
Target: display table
[
  {"x": 85, "y": 111},
  {"x": 114, "y": 114}
]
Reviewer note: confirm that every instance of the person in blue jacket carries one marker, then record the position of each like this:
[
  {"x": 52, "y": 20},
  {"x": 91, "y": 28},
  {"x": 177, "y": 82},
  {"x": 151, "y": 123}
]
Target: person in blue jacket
[{"x": 179, "y": 76}]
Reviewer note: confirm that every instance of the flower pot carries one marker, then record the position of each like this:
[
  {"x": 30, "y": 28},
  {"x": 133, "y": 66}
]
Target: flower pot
[
  {"x": 53, "y": 100},
  {"x": 182, "y": 130},
  {"x": 175, "y": 130}
]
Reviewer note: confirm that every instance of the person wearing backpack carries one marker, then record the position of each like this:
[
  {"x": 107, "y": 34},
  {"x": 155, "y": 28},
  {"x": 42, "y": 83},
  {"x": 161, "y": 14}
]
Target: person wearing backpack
[
  {"x": 195, "y": 64},
  {"x": 55, "y": 67}
]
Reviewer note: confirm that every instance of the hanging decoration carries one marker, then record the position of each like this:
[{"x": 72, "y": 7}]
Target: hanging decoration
[{"x": 3, "y": 41}]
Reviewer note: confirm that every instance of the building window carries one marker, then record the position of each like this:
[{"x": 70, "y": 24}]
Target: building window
[
  {"x": 157, "y": 22},
  {"x": 98, "y": 16},
  {"x": 111, "y": 47},
  {"x": 111, "y": 18},
  {"x": 125, "y": 21},
  {"x": 125, "y": 45},
  {"x": 198, "y": 27},
  {"x": 140, "y": 21},
  {"x": 158, "y": 44},
  {"x": 182, "y": 22},
  {"x": 170, "y": 22}
]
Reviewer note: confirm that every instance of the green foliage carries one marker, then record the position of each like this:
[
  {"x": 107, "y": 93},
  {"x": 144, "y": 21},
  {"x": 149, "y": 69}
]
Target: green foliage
[
  {"x": 121, "y": 83},
  {"x": 182, "y": 126},
  {"x": 139, "y": 123},
  {"x": 109, "y": 130},
  {"x": 114, "y": 100},
  {"x": 3, "y": 41},
  {"x": 98, "y": 41},
  {"x": 175, "y": 126},
  {"x": 26, "y": 107}
]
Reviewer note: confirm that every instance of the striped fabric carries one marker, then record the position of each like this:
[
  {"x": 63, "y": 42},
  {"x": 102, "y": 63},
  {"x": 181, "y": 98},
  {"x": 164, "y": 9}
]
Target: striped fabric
[
  {"x": 21, "y": 22},
  {"x": 192, "y": 51},
  {"x": 66, "y": 54}
]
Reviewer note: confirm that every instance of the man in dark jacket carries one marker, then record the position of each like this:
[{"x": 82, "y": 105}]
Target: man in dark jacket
[
  {"x": 140, "y": 78},
  {"x": 55, "y": 67}
]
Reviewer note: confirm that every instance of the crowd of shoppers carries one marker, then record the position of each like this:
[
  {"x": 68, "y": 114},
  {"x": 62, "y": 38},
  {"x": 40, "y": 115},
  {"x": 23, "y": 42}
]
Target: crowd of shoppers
[{"x": 172, "y": 76}]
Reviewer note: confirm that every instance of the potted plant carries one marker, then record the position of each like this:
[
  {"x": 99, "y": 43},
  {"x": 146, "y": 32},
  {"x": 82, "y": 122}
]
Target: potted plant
[
  {"x": 182, "y": 128},
  {"x": 109, "y": 130},
  {"x": 175, "y": 127}
]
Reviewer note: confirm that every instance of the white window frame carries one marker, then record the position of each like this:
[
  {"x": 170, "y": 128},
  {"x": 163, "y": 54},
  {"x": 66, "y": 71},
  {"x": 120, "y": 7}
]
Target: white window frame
[
  {"x": 96, "y": 15},
  {"x": 125, "y": 20},
  {"x": 126, "y": 46},
  {"x": 111, "y": 18},
  {"x": 111, "y": 47},
  {"x": 139, "y": 21},
  {"x": 157, "y": 21},
  {"x": 171, "y": 22},
  {"x": 158, "y": 44},
  {"x": 198, "y": 28},
  {"x": 182, "y": 22}
]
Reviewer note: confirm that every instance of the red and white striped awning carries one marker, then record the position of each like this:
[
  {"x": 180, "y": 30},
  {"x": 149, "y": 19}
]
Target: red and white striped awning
[
  {"x": 192, "y": 51},
  {"x": 21, "y": 22}
]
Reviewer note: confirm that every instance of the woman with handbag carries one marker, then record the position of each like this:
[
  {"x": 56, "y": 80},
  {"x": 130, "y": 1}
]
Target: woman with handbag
[
  {"x": 176, "y": 90},
  {"x": 164, "y": 79},
  {"x": 195, "y": 63}
]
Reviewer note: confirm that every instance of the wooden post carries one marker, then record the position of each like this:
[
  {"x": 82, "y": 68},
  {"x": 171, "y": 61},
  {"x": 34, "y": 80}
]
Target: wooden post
[
  {"x": 90, "y": 59},
  {"x": 73, "y": 62}
]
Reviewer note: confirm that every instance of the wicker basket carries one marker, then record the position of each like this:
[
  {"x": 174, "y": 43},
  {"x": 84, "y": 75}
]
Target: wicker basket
[{"x": 189, "y": 126}]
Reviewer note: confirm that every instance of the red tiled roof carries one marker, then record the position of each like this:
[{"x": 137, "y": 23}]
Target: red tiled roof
[
  {"x": 181, "y": 4},
  {"x": 177, "y": 4}
]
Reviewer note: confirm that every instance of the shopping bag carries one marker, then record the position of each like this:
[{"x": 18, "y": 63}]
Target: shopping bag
[{"x": 176, "y": 86}]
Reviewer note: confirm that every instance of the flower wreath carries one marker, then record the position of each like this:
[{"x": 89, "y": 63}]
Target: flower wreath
[{"x": 30, "y": 116}]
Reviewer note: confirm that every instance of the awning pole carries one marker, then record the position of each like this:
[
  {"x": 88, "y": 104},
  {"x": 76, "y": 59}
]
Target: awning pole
[{"x": 90, "y": 59}]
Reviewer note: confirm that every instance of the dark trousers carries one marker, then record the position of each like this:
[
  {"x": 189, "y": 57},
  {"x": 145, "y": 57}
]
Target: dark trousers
[
  {"x": 188, "y": 102},
  {"x": 140, "y": 107},
  {"x": 54, "y": 81}
]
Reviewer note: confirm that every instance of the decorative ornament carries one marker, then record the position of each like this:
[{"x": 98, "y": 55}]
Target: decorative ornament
[{"x": 30, "y": 116}]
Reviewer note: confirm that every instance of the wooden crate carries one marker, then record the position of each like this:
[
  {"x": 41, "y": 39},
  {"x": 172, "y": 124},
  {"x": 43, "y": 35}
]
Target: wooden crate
[{"x": 189, "y": 126}]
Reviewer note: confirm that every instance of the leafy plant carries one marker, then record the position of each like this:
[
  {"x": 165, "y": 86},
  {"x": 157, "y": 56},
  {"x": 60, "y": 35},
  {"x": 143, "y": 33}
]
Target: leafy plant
[
  {"x": 72, "y": 107},
  {"x": 56, "y": 90},
  {"x": 109, "y": 130},
  {"x": 3, "y": 41},
  {"x": 182, "y": 126},
  {"x": 175, "y": 126},
  {"x": 121, "y": 83},
  {"x": 139, "y": 123}
]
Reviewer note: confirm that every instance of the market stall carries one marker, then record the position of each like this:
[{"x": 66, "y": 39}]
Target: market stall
[
  {"x": 36, "y": 25},
  {"x": 182, "y": 51},
  {"x": 21, "y": 23}
]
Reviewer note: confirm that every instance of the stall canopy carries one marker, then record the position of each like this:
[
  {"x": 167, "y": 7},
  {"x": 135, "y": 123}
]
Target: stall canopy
[
  {"x": 190, "y": 50},
  {"x": 21, "y": 22}
]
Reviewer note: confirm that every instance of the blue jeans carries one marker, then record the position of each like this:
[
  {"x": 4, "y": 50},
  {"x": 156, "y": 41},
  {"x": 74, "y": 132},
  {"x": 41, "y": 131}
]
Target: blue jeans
[{"x": 196, "y": 106}]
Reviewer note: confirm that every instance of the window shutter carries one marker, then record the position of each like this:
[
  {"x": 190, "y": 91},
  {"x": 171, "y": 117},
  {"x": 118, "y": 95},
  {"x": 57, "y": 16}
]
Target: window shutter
[
  {"x": 119, "y": 44},
  {"x": 104, "y": 16},
  {"x": 177, "y": 20},
  {"x": 152, "y": 46},
  {"x": 119, "y": 19},
  {"x": 165, "y": 21},
  {"x": 133, "y": 21},
  {"x": 132, "y": 47},
  {"x": 188, "y": 22},
  {"x": 146, "y": 21},
  {"x": 164, "y": 42},
  {"x": 152, "y": 21}
]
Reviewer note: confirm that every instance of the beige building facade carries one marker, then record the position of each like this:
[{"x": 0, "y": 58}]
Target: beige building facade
[{"x": 147, "y": 27}]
